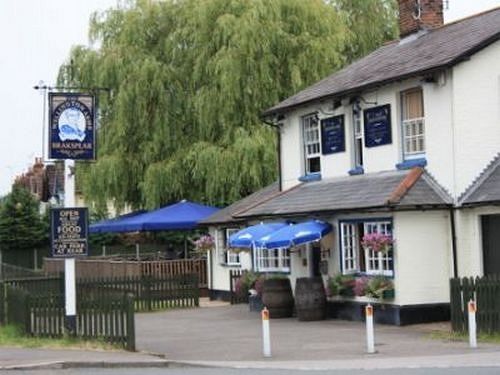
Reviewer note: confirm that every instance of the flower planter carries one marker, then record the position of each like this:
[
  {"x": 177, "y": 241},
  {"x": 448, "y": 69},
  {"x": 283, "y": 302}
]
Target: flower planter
[
  {"x": 388, "y": 294},
  {"x": 255, "y": 303}
]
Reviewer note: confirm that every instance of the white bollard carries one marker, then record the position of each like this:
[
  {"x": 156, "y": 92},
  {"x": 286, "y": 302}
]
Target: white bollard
[
  {"x": 370, "y": 338},
  {"x": 266, "y": 334},
  {"x": 472, "y": 324}
]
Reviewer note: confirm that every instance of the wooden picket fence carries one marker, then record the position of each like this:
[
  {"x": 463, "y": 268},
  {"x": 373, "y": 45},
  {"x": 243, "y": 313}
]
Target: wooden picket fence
[
  {"x": 105, "y": 306},
  {"x": 234, "y": 275},
  {"x": 486, "y": 292},
  {"x": 150, "y": 293},
  {"x": 109, "y": 318},
  {"x": 98, "y": 267}
]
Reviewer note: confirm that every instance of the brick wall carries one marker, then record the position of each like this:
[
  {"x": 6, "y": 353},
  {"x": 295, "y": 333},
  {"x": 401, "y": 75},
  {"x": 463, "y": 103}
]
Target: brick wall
[{"x": 431, "y": 15}]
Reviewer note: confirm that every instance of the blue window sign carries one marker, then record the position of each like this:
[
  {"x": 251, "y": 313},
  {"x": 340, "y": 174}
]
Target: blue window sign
[
  {"x": 332, "y": 135},
  {"x": 71, "y": 126},
  {"x": 69, "y": 231},
  {"x": 378, "y": 126}
]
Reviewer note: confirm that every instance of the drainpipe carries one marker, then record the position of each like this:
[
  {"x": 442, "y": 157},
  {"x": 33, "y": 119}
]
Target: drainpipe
[
  {"x": 278, "y": 148},
  {"x": 453, "y": 241}
]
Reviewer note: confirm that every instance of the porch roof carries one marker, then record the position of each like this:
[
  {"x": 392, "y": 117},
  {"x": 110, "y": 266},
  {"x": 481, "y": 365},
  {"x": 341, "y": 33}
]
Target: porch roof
[
  {"x": 225, "y": 215},
  {"x": 486, "y": 188},
  {"x": 391, "y": 189}
]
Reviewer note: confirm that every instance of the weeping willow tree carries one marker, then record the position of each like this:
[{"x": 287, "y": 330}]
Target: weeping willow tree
[{"x": 188, "y": 81}]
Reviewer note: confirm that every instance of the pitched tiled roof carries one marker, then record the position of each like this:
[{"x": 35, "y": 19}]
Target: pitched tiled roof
[
  {"x": 226, "y": 214},
  {"x": 486, "y": 188},
  {"x": 396, "y": 189},
  {"x": 437, "y": 49}
]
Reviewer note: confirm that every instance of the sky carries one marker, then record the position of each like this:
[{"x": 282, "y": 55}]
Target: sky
[{"x": 36, "y": 37}]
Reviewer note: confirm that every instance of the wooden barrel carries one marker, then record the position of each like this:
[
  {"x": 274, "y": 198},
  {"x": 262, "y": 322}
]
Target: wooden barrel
[
  {"x": 278, "y": 298},
  {"x": 310, "y": 299}
]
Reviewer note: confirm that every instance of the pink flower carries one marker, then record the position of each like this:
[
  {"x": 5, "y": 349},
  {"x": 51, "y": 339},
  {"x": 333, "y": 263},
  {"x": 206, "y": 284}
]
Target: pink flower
[
  {"x": 360, "y": 286},
  {"x": 377, "y": 242}
]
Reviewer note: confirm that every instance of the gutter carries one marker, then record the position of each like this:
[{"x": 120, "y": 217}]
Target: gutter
[
  {"x": 453, "y": 241},
  {"x": 278, "y": 149}
]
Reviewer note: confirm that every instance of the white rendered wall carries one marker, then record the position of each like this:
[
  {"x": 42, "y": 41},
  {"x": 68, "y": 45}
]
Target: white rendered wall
[
  {"x": 438, "y": 128},
  {"x": 476, "y": 112},
  {"x": 219, "y": 280},
  {"x": 469, "y": 240},
  {"x": 422, "y": 257}
]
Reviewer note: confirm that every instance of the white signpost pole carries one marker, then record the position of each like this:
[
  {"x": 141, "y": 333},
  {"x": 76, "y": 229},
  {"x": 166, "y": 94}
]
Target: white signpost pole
[{"x": 69, "y": 263}]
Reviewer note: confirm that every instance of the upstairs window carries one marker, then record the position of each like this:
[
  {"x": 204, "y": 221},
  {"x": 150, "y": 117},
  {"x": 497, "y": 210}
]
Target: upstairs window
[
  {"x": 413, "y": 123},
  {"x": 312, "y": 144},
  {"x": 358, "y": 135}
]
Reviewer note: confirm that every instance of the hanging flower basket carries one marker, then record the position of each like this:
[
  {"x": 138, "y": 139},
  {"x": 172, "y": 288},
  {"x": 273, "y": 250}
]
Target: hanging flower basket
[
  {"x": 204, "y": 243},
  {"x": 377, "y": 242}
]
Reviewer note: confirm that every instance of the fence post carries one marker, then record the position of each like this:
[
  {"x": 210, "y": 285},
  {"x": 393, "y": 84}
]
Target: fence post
[
  {"x": 129, "y": 299},
  {"x": 27, "y": 314},
  {"x": 147, "y": 291},
  {"x": 196, "y": 288}
]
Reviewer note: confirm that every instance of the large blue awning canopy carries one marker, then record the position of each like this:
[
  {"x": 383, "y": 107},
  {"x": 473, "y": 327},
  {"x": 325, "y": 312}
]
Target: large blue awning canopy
[
  {"x": 295, "y": 234},
  {"x": 108, "y": 225},
  {"x": 246, "y": 237},
  {"x": 183, "y": 215}
]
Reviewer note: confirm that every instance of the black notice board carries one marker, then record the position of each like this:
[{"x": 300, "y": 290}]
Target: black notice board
[
  {"x": 69, "y": 231},
  {"x": 378, "y": 126},
  {"x": 332, "y": 135}
]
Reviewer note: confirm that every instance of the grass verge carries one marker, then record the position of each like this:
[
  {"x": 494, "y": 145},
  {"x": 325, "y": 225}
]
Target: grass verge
[
  {"x": 457, "y": 336},
  {"x": 12, "y": 336}
]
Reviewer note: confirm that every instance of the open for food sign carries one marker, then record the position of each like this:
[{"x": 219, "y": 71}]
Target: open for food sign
[{"x": 69, "y": 231}]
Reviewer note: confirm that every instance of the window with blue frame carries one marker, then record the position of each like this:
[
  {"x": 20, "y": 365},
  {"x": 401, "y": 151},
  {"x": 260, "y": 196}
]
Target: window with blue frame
[
  {"x": 312, "y": 143},
  {"x": 358, "y": 260}
]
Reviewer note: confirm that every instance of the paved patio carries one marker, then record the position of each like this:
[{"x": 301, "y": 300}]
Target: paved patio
[{"x": 232, "y": 333}]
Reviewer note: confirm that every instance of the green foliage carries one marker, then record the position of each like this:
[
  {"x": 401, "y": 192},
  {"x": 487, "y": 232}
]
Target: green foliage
[
  {"x": 377, "y": 285},
  {"x": 188, "y": 81},
  {"x": 21, "y": 226},
  {"x": 97, "y": 240},
  {"x": 13, "y": 336},
  {"x": 370, "y": 24},
  {"x": 342, "y": 285}
]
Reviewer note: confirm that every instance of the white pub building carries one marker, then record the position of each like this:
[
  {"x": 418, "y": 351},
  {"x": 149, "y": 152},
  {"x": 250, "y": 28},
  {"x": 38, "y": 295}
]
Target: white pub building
[{"x": 405, "y": 142}]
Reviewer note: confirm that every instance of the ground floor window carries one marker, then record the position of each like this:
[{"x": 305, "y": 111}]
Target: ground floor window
[
  {"x": 227, "y": 256},
  {"x": 272, "y": 260},
  {"x": 356, "y": 258}
]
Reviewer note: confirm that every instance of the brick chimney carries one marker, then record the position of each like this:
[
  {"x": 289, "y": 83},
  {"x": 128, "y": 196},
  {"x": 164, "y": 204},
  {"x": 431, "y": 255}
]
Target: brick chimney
[{"x": 415, "y": 15}]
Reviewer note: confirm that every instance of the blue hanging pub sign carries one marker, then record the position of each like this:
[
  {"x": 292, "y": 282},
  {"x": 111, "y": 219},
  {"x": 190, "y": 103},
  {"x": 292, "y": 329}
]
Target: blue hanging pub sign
[
  {"x": 69, "y": 231},
  {"x": 72, "y": 126},
  {"x": 332, "y": 135},
  {"x": 378, "y": 126}
]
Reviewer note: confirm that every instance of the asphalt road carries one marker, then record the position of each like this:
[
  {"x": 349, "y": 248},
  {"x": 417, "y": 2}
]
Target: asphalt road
[{"x": 219, "y": 371}]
